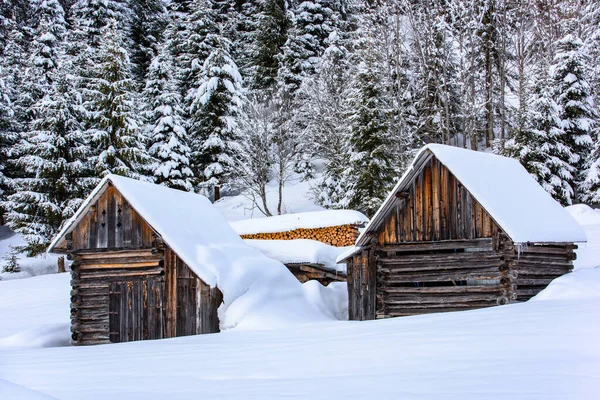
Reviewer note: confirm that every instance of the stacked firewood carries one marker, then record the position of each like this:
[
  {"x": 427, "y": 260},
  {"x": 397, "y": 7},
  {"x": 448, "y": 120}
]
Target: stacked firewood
[{"x": 341, "y": 235}]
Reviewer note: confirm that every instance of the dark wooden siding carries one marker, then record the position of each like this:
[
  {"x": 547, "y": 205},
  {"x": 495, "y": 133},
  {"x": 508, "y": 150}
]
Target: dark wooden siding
[
  {"x": 435, "y": 207},
  {"x": 193, "y": 303},
  {"x": 136, "y": 310},
  {"x": 93, "y": 274},
  {"x": 111, "y": 222},
  {"x": 125, "y": 295},
  {"x": 361, "y": 287}
]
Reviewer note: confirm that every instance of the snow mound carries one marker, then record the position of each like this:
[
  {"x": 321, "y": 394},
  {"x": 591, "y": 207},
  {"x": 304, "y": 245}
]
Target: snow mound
[
  {"x": 580, "y": 284},
  {"x": 332, "y": 299},
  {"x": 10, "y": 391},
  {"x": 30, "y": 266},
  {"x": 55, "y": 335},
  {"x": 258, "y": 292},
  {"x": 584, "y": 214},
  {"x": 305, "y": 220},
  {"x": 301, "y": 251}
]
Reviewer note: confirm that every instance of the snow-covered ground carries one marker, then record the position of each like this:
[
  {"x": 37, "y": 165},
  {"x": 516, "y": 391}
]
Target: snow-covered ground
[
  {"x": 543, "y": 349},
  {"x": 30, "y": 266},
  {"x": 546, "y": 348}
]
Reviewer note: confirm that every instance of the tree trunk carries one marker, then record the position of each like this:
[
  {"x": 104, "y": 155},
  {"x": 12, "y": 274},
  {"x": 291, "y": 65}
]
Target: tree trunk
[
  {"x": 61, "y": 264},
  {"x": 217, "y": 193}
]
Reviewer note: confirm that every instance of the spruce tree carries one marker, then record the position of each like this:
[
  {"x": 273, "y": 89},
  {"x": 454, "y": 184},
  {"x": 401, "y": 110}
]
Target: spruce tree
[
  {"x": 271, "y": 25},
  {"x": 193, "y": 43},
  {"x": 166, "y": 128},
  {"x": 369, "y": 175},
  {"x": 52, "y": 157},
  {"x": 538, "y": 145},
  {"x": 148, "y": 22},
  {"x": 46, "y": 48},
  {"x": 110, "y": 100},
  {"x": 311, "y": 25},
  {"x": 92, "y": 17},
  {"x": 324, "y": 112},
  {"x": 214, "y": 107},
  {"x": 572, "y": 94}
]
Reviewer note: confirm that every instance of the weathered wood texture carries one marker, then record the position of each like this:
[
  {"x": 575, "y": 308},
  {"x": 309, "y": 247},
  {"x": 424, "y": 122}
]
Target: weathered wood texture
[
  {"x": 436, "y": 207},
  {"x": 436, "y": 249},
  {"x": 361, "y": 287},
  {"x": 305, "y": 272},
  {"x": 536, "y": 265},
  {"x": 126, "y": 295},
  {"x": 111, "y": 222}
]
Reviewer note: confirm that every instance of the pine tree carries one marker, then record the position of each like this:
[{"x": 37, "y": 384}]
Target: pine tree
[
  {"x": 92, "y": 17},
  {"x": 270, "y": 34},
  {"x": 311, "y": 25},
  {"x": 324, "y": 112},
  {"x": 148, "y": 22},
  {"x": 56, "y": 177},
  {"x": 538, "y": 145},
  {"x": 166, "y": 127},
  {"x": 572, "y": 94},
  {"x": 193, "y": 43},
  {"x": 113, "y": 125},
  {"x": 369, "y": 175},
  {"x": 46, "y": 48},
  {"x": 214, "y": 106}
]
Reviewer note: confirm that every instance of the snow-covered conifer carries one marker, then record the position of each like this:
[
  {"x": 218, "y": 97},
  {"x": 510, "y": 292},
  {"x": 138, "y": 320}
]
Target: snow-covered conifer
[
  {"x": 113, "y": 124},
  {"x": 166, "y": 127},
  {"x": 369, "y": 175},
  {"x": 148, "y": 22},
  {"x": 53, "y": 159},
  {"x": 312, "y": 22},
  {"x": 570, "y": 70},
  {"x": 214, "y": 108},
  {"x": 538, "y": 145}
]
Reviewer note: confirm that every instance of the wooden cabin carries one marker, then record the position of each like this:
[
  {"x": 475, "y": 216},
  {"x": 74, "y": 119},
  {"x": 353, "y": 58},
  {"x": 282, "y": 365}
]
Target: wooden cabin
[
  {"x": 280, "y": 237},
  {"x": 128, "y": 282},
  {"x": 461, "y": 230}
]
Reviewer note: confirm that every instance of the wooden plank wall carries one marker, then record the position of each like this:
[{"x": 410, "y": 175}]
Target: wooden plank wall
[
  {"x": 111, "y": 222},
  {"x": 125, "y": 295},
  {"x": 192, "y": 303},
  {"x": 361, "y": 287},
  {"x": 436, "y": 207},
  {"x": 94, "y": 274}
]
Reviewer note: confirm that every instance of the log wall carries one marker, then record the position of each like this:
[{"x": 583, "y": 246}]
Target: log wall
[
  {"x": 126, "y": 295},
  {"x": 339, "y": 236},
  {"x": 436, "y": 249}
]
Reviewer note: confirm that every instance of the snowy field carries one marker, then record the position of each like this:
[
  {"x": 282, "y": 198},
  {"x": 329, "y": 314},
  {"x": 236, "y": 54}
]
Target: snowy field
[{"x": 546, "y": 348}]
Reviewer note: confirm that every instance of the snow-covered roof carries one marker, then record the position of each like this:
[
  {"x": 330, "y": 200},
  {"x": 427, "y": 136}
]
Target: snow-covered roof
[
  {"x": 180, "y": 218},
  {"x": 255, "y": 288},
  {"x": 305, "y": 220},
  {"x": 300, "y": 251},
  {"x": 512, "y": 197}
]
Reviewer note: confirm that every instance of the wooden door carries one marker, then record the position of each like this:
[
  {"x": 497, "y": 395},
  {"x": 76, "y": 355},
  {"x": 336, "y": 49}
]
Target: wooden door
[
  {"x": 136, "y": 310},
  {"x": 187, "y": 301}
]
